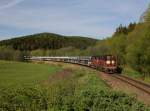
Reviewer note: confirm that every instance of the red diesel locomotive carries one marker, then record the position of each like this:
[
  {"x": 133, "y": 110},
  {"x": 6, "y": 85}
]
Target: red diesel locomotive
[{"x": 106, "y": 63}]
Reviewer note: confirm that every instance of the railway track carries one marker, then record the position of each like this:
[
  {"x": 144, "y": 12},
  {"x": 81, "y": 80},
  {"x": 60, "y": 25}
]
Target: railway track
[
  {"x": 135, "y": 83},
  {"x": 138, "y": 84}
]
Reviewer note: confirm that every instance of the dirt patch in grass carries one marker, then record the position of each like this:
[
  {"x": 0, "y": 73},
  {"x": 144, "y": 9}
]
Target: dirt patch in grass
[
  {"x": 64, "y": 74},
  {"x": 61, "y": 75}
]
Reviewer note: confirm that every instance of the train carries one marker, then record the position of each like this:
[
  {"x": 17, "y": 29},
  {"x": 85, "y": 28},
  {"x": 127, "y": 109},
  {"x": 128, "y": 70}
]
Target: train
[{"x": 106, "y": 63}]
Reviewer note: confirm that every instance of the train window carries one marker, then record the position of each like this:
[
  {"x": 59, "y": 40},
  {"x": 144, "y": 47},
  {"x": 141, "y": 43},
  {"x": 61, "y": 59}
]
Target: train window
[{"x": 108, "y": 57}]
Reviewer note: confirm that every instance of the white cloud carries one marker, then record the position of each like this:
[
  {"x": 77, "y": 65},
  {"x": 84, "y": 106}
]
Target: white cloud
[{"x": 9, "y": 3}]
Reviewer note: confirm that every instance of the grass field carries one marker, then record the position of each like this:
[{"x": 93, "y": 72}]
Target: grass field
[
  {"x": 18, "y": 73},
  {"x": 59, "y": 87},
  {"x": 136, "y": 75}
]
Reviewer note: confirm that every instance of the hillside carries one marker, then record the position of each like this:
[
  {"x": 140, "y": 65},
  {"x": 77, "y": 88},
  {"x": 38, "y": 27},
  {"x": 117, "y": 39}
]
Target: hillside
[{"x": 48, "y": 41}]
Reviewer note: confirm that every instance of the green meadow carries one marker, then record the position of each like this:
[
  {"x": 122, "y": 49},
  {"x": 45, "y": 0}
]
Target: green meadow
[
  {"x": 54, "y": 87},
  {"x": 19, "y": 73}
]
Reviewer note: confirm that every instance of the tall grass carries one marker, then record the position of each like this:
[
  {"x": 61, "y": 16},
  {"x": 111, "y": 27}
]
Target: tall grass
[
  {"x": 82, "y": 90},
  {"x": 135, "y": 74}
]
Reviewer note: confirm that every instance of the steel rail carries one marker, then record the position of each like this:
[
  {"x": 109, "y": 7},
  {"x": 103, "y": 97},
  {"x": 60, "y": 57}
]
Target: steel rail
[
  {"x": 120, "y": 77},
  {"x": 134, "y": 83}
]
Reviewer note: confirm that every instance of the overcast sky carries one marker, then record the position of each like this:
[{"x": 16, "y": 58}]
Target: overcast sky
[{"x": 93, "y": 18}]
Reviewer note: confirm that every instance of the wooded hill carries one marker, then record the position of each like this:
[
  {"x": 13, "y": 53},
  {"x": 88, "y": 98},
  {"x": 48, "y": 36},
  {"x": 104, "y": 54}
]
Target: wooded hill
[{"x": 48, "y": 41}]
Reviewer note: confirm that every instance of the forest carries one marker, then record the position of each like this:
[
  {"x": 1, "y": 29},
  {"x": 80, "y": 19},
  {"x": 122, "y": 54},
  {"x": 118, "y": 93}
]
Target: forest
[
  {"x": 47, "y": 41},
  {"x": 130, "y": 43}
]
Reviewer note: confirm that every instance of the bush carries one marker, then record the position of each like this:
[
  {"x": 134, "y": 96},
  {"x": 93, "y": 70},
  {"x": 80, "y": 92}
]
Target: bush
[
  {"x": 83, "y": 91},
  {"x": 138, "y": 56},
  {"x": 23, "y": 99},
  {"x": 89, "y": 100},
  {"x": 7, "y": 53}
]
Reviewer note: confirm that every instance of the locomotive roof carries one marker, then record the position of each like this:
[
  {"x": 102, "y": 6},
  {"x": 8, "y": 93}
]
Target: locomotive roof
[{"x": 103, "y": 56}]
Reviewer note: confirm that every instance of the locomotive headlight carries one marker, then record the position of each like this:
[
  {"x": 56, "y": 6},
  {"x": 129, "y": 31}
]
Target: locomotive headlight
[
  {"x": 108, "y": 62},
  {"x": 113, "y": 62}
]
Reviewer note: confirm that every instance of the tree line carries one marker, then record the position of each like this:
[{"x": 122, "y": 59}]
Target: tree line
[
  {"x": 130, "y": 43},
  {"x": 48, "y": 41},
  {"x": 43, "y": 44}
]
